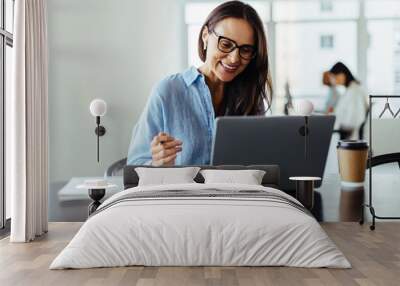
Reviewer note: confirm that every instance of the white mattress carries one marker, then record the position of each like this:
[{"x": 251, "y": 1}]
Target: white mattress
[{"x": 200, "y": 231}]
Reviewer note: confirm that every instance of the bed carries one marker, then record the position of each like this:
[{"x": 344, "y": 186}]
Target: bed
[{"x": 199, "y": 224}]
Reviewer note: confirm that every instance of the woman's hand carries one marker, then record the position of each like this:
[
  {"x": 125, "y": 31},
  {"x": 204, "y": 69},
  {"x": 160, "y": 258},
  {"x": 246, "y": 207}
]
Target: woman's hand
[
  {"x": 164, "y": 149},
  {"x": 328, "y": 79}
]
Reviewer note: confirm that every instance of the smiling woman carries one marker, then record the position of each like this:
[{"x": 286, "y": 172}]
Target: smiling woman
[{"x": 177, "y": 124}]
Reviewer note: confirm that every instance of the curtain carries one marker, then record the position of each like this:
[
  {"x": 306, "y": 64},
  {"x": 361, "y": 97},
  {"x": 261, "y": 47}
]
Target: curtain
[{"x": 28, "y": 121}]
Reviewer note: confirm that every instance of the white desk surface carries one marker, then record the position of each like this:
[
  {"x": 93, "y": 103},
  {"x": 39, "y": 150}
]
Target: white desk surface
[{"x": 70, "y": 193}]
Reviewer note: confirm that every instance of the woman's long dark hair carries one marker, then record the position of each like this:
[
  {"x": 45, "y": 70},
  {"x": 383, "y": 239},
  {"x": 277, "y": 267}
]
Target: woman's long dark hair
[
  {"x": 245, "y": 94},
  {"x": 339, "y": 68}
]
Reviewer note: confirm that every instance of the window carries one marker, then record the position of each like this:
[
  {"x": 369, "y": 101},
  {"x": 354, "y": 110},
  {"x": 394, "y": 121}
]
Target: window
[
  {"x": 195, "y": 15},
  {"x": 300, "y": 61},
  {"x": 326, "y": 6},
  {"x": 6, "y": 43},
  {"x": 383, "y": 54},
  {"x": 295, "y": 10},
  {"x": 380, "y": 9},
  {"x": 306, "y": 37},
  {"x": 308, "y": 41},
  {"x": 326, "y": 42}
]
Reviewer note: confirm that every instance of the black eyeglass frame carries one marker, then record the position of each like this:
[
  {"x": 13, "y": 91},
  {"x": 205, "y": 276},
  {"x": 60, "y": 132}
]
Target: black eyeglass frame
[{"x": 235, "y": 46}]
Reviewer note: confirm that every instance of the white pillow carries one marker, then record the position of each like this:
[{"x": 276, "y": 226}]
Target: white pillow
[
  {"x": 248, "y": 177},
  {"x": 162, "y": 176}
]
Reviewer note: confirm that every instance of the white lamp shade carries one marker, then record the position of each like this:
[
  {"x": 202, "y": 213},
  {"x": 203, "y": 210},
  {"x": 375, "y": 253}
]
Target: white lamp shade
[
  {"x": 98, "y": 107},
  {"x": 303, "y": 107}
]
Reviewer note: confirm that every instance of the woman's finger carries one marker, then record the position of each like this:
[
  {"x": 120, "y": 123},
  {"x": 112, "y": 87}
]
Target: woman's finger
[
  {"x": 172, "y": 144},
  {"x": 166, "y": 160},
  {"x": 161, "y": 138},
  {"x": 154, "y": 141},
  {"x": 165, "y": 138},
  {"x": 169, "y": 145},
  {"x": 165, "y": 153}
]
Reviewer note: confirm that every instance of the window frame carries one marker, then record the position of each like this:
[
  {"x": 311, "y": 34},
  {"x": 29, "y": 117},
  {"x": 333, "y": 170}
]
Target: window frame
[
  {"x": 326, "y": 6},
  {"x": 327, "y": 41},
  {"x": 6, "y": 39}
]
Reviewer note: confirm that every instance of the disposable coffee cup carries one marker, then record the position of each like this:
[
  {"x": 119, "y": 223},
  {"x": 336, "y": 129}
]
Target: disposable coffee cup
[{"x": 352, "y": 159}]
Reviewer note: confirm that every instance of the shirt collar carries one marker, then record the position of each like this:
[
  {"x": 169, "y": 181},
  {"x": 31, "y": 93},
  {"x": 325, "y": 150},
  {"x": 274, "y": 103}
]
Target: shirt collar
[{"x": 190, "y": 75}]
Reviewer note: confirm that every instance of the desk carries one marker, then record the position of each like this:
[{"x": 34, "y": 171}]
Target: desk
[
  {"x": 70, "y": 193},
  {"x": 332, "y": 204},
  {"x": 67, "y": 203},
  {"x": 341, "y": 204}
]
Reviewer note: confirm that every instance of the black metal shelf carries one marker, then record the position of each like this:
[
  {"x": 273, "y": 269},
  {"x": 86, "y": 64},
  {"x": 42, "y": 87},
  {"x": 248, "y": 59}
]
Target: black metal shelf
[{"x": 375, "y": 161}]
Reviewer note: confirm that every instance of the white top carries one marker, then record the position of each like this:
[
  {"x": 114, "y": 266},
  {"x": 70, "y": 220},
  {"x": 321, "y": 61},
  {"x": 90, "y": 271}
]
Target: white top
[
  {"x": 93, "y": 187},
  {"x": 351, "y": 109},
  {"x": 305, "y": 178},
  {"x": 70, "y": 192}
]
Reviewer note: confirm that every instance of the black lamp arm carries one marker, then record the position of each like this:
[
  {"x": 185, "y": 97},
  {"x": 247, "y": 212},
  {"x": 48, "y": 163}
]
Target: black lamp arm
[{"x": 99, "y": 131}]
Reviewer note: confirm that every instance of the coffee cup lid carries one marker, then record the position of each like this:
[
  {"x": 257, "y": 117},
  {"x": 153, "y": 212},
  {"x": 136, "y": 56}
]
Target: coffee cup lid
[{"x": 352, "y": 144}]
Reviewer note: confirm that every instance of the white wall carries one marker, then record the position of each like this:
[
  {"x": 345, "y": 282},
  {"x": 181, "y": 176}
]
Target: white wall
[{"x": 114, "y": 50}]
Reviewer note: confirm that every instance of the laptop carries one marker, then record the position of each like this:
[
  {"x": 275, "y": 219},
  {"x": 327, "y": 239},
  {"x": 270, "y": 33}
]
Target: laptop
[{"x": 278, "y": 140}]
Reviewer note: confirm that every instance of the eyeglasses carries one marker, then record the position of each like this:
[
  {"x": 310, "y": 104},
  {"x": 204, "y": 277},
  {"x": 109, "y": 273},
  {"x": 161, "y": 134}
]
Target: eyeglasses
[{"x": 226, "y": 45}]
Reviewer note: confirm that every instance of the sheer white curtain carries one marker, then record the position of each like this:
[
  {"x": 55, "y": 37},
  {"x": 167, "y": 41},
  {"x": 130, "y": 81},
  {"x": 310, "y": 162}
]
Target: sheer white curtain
[{"x": 28, "y": 122}]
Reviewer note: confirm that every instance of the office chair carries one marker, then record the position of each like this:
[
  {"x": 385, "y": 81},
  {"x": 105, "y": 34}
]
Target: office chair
[
  {"x": 385, "y": 159},
  {"x": 361, "y": 130},
  {"x": 115, "y": 168}
]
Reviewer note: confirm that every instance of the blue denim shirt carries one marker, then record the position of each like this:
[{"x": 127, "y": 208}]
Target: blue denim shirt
[{"x": 181, "y": 106}]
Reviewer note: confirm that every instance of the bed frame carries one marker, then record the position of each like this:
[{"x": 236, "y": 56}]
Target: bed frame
[{"x": 270, "y": 179}]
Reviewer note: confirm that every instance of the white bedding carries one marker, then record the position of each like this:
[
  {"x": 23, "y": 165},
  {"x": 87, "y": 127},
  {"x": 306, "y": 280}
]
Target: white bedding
[{"x": 200, "y": 231}]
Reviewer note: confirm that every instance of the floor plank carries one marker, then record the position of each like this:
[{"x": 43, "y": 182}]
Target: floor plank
[{"x": 375, "y": 257}]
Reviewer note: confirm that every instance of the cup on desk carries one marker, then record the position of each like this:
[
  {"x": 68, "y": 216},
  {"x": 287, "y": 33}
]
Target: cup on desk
[{"x": 352, "y": 157}]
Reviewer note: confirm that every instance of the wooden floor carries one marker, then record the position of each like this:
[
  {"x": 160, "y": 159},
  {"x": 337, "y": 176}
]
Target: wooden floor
[{"x": 375, "y": 257}]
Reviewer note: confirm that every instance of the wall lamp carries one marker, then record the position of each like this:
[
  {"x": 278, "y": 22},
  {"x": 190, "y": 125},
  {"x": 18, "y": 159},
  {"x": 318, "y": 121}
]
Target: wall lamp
[
  {"x": 98, "y": 108},
  {"x": 304, "y": 108}
]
